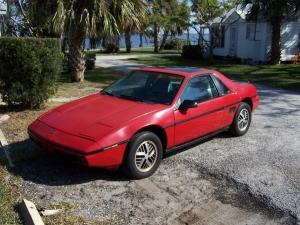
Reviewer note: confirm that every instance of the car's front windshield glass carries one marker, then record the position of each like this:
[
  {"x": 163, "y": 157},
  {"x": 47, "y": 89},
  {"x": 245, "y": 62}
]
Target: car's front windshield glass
[{"x": 145, "y": 86}]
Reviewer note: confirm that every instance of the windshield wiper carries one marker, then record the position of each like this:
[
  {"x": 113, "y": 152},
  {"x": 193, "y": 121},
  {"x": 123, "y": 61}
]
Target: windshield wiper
[{"x": 131, "y": 98}]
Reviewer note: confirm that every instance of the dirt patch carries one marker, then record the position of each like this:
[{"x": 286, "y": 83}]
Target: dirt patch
[{"x": 177, "y": 194}]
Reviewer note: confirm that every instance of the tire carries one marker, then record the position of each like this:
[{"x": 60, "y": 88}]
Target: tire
[
  {"x": 243, "y": 110},
  {"x": 143, "y": 155}
]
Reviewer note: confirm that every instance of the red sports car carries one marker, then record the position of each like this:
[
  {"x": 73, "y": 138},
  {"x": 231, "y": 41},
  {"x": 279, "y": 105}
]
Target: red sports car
[{"x": 144, "y": 115}]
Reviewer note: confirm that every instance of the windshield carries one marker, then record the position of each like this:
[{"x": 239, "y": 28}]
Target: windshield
[{"x": 144, "y": 86}]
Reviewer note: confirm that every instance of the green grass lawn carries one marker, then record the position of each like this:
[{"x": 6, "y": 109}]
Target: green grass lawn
[
  {"x": 94, "y": 81},
  {"x": 9, "y": 197},
  {"x": 281, "y": 76},
  {"x": 150, "y": 51},
  {"x": 143, "y": 50}
]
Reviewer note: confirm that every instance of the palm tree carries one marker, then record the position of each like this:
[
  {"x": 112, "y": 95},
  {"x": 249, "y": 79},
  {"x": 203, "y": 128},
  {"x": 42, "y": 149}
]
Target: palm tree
[
  {"x": 155, "y": 11},
  {"x": 276, "y": 11},
  {"x": 170, "y": 15},
  {"x": 130, "y": 16},
  {"x": 85, "y": 17}
]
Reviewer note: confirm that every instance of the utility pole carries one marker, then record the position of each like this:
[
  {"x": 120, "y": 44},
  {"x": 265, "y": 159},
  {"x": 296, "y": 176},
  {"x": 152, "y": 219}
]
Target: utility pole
[{"x": 3, "y": 11}]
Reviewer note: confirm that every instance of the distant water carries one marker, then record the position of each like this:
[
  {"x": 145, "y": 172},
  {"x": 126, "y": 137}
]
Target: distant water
[{"x": 147, "y": 42}]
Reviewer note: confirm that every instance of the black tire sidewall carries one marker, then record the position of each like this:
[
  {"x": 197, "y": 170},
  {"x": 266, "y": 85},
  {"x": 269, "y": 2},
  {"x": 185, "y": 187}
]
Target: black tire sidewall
[
  {"x": 235, "y": 128},
  {"x": 129, "y": 163}
]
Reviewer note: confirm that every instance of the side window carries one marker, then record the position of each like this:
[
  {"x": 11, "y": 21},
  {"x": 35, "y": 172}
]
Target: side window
[
  {"x": 199, "y": 89},
  {"x": 223, "y": 90}
]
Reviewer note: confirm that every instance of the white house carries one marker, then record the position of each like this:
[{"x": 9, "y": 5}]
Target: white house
[{"x": 252, "y": 41}]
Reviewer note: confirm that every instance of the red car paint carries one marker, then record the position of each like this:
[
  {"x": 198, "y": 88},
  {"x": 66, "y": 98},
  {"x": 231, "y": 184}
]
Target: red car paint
[{"x": 96, "y": 129}]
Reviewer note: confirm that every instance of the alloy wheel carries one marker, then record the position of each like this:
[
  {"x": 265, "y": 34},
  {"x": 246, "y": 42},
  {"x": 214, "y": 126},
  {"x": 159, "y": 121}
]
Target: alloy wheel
[
  {"x": 243, "y": 119},
  {"x": 146, "y": 156}
]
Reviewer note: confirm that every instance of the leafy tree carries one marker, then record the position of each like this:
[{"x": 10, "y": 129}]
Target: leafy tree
[
  {"x": 40, "y": 15},
  {"x": 29, "y": 18},
  {"x": 144, "y": 31},
  {"x": 205, "y": 13},
  {"x": 155, "y": 8},
  {"x": 175, "y": 20},
  {"x": 9, "y": 19},
  {"x": 169, "y": 15},
  {"x": 12, "y": 24},
  {"x": 275, "y": 11}
]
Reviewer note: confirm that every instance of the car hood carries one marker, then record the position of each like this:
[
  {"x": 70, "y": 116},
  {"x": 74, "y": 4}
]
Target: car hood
[{"x": 96, "y": 115}]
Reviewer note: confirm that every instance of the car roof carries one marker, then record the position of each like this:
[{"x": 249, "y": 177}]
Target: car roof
[{"x": 183, "y": 71}]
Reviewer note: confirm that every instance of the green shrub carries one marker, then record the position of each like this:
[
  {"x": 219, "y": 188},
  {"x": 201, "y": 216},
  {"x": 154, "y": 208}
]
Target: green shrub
[
  {"x": 176, "y": 44},
  {"x": 90, "y": 58},
  {"x": 65, "y": 64},
  {"x": 111, "y": 48},
  {"x": 29, "y": 69},
  {"x": 192, "y": 52},
  {"x": 89, "y": 63}
]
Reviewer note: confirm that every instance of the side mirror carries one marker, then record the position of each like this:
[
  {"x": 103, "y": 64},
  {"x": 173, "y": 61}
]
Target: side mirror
[{"x": 187, "y": 104}]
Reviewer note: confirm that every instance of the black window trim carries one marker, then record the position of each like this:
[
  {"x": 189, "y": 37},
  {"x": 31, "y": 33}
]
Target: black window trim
[{"x": 212, "y": 75}]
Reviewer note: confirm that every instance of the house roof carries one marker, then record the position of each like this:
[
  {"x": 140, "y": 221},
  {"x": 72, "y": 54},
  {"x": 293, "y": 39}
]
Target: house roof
[{"x": 240, "y": 12}]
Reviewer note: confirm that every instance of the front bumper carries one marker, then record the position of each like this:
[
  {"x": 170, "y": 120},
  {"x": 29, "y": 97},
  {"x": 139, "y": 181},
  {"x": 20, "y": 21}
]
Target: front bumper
[{"x": 61, "y": 143}]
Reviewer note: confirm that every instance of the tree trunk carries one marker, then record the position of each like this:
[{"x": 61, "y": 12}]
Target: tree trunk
[
  {"x": 199, "y": 39},
  {"x": 141, "y": 40},
  {"x": 164, "y": 40},
  {"x": 188, "y": 41},
  {"x": 64, "y": 41},
  {"x": 9, "y": 21},
  {"x": 76, "y": 54},
  {"x": 104, "y": 42},
  {"x": 155, "y": 38},
  {"x": 211, "y": 45},
  {"x": 128, "y": 40},
  {"x": 211, "y": 54},
  {"x": 117, "y": 43},
  {"x": 276, "y": 22}
]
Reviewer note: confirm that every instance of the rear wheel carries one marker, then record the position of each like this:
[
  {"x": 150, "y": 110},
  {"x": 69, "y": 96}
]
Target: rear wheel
[
  {"x": 143, "y": 156},
  {"x": 242, "y": 120}
]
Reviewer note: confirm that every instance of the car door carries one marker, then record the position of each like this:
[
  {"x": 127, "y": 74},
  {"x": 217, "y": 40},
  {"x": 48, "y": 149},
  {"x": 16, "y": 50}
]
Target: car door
[{"x": 203, "y": 119}]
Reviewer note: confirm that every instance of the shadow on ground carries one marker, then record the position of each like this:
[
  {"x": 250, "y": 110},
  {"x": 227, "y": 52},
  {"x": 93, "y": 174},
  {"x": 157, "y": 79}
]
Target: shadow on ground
[
  {"x": 277, "y": 102},
  {"x": 36, "y": 165},
  {"x": 42, "y": 168}
]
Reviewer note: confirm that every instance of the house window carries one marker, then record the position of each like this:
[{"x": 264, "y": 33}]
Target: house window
[
  {"x": 250, "y": 32},
  {"x": 218, "y": 37}
]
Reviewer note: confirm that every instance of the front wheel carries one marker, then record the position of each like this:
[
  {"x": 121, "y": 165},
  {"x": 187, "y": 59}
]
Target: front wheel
[
  {"x": 242, "y": 120},
  {"x": 143, "y": 156}
]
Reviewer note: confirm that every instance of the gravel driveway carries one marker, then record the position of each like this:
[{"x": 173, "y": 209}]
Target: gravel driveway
[{"x": 254, "y": 179}]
